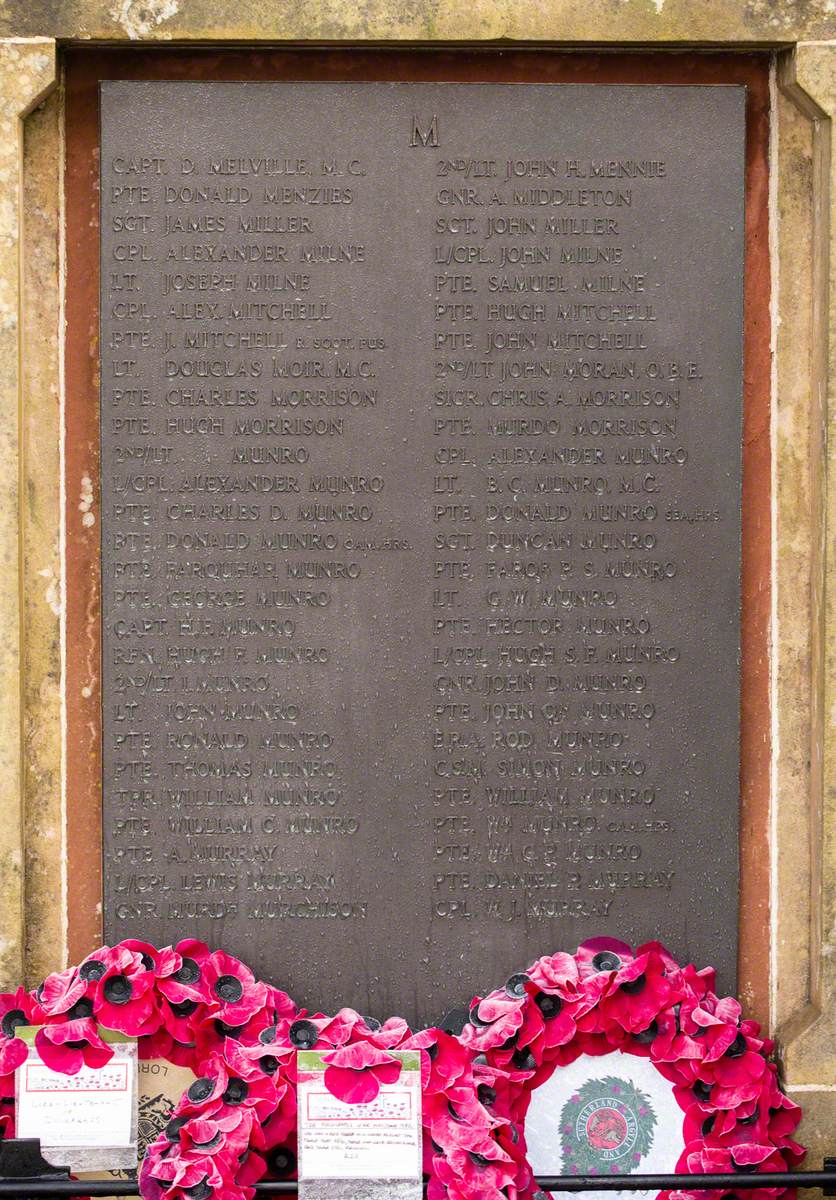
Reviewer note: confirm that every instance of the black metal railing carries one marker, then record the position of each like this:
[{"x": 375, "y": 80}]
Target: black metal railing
[
  {"x": 826, "y": 1180},
  {"x": 24, "y": 1173}
]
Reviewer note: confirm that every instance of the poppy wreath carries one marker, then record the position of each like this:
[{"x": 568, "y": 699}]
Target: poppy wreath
[
  {"x": 607, "y": 998},
  {"x": 236, "y": 1123}
]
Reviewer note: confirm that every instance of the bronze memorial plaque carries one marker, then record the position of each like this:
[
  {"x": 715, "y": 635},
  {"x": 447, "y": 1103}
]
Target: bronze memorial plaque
[{"x": 421, "y": 443}]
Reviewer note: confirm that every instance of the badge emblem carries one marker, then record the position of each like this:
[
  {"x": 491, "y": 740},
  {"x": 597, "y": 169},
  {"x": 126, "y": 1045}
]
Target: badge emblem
[{"x": 606, "y": 1127}]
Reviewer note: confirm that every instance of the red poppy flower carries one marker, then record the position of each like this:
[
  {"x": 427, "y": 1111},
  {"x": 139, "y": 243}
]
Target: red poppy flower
[
  {"x": 493, "y": 1021},
  {"x": 444, "y": 1059},
  {"x": 717, "y": 1023},
  {"x": 239, "y": 1124},
  {"x": 253, "y": 1080},
  {"x": 188, "y": 1177},
  {"x": 391, "y": 1034},
  {"x": 784, "y": 1115},
  {"x": 187, "y": 982},
  {"x": 345, "y": 1027},
  {"x": 551, "y": 1021},
  {"x": 309, "y": 1030},
  {"x": 60, "y": 991},
  {"x": 182, "y": 1020},
  {"x": 150, "y": 1188},
  {"x": 280, "y": 1129},
  {"x": 558, "y": 974},
  {"x": 737, "y": 1082},
  {"x": 123, "y": 994},
  {"x": 270, "y": 1022},
  {"x": 456, "y": 1117},
  {"x": 159, "y": 1045},
  {"x": 478, "y": 1171},
  {"x": 204, "y": 1148},
  {"x": 185, "y": 1170},
  {"x": 641, "y": 989},
  {"x": 263, "y": 1061},
  {"x": 203, "y": 1095},
  {"x": 701, "y": 1157},
  {"x": 13, "y": 1052},
  {"x": 96, "y": 964},
  {"x": 72, "y": 1045},
  {"x": 279, "y": 1005},
  {"x": 676, "y": 1035},
  {"x": 16, "y": 1009},
  {"x": 162, "y": 962},
  {"x": 162, "y": 1045},
  {"x": 355, "y": 1072},
  {"x": 697, "y": 983},
  {"x": 602, "y": 955},
  {"x": 234, "y": 994},
  {"x": 220, "y": 1136}
]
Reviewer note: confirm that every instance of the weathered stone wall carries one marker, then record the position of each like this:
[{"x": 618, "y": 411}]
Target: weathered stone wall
[{"x": 629, "y": 22}]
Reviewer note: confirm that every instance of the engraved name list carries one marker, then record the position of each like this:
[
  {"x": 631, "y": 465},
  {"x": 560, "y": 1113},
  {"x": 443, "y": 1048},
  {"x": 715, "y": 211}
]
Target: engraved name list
[{"x": 420, "y": 419}]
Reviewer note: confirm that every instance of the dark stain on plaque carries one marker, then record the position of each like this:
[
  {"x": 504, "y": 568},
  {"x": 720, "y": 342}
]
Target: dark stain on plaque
[{"x": 421, "y": 411}]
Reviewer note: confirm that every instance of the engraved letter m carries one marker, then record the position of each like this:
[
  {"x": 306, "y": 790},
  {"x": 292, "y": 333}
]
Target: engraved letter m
[{"x": 430, "y": 138}]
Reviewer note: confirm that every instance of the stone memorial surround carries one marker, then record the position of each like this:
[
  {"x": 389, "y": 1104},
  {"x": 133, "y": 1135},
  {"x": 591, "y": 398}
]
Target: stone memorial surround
[{"x": 788, "y": 834}]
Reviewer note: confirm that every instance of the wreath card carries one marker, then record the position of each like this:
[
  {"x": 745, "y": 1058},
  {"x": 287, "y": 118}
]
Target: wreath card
[
  {"x": 85, "y": 1118},
  {"x": 355, "y": 1128}
]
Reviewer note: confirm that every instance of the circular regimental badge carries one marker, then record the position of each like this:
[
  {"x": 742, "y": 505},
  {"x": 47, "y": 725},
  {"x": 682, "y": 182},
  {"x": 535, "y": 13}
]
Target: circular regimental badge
[
  {"x": 607, "y": 1121},
  {"x": 609, "y": 1114}
]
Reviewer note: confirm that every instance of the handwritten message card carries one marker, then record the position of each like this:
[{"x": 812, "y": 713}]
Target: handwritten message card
[
  {"x": 380, "y": 1139},
  {"x": 86, "y": 1120}
]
